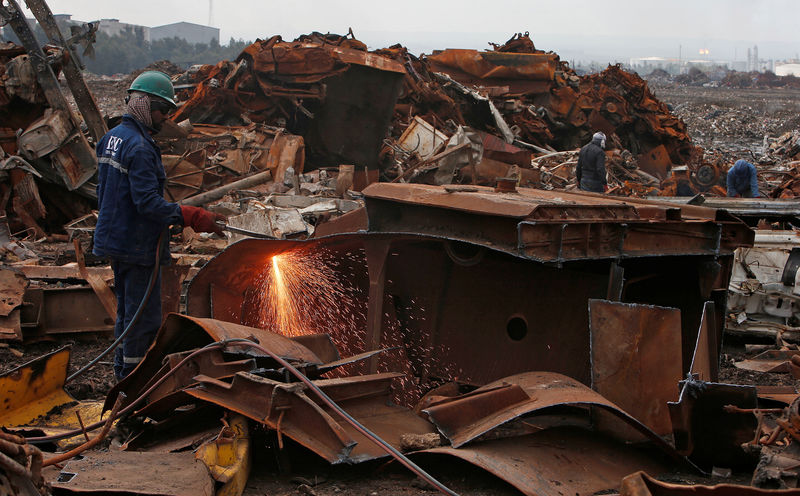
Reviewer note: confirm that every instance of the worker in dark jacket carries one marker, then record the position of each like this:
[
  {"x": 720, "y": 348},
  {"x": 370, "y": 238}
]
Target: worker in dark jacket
[
  {"x": 134, "y": 214},
  {"x": 591, "y": 169},
  {"x": 743, "y": 180}
]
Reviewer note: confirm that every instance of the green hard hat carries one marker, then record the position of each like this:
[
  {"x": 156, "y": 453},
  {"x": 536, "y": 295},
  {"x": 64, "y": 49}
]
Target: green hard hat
[{"x": 154, "y": 83}]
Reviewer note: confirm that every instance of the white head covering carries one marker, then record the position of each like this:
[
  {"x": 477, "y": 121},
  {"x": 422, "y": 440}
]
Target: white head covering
[{"x": 600, "y": 138}]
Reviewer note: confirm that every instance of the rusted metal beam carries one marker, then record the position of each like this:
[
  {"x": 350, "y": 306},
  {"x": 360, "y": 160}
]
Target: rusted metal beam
[
  {"x": 75, "y": 162},
  {"x": 61, "y": 272},
  {"x": 195, "y": 332},
  {"x": 557, "y": 461},
  {"x": 376, "y": 253},
  {"x": 217, "y": 193},
  {"x": 288, "y": 410},
  {"x": 99, "y": 286},
  {"x": 169, "y": 394},
  {"x": 72, "y": 70},
  {"x": 63, "y": 311},
  {"x": 551, "y": 226}
]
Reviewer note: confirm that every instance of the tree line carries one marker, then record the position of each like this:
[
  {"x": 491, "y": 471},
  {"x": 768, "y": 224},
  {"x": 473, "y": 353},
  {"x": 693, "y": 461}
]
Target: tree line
[{"x": 130, "y": 50}]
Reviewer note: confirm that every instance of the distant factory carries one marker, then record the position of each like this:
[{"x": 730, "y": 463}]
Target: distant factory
[{"x": 191, "y": 32}]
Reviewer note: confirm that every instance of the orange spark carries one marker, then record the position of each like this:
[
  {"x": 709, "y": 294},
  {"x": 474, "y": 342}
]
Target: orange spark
[{"x": 302, "y": 293}]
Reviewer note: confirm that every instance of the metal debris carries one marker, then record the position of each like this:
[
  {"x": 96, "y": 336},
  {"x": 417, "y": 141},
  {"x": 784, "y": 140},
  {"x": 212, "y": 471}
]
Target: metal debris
[
  {"x": 466, "y": 316},
  {"x": 21, "y": 467},
  {"x": 168, "y": 474}
]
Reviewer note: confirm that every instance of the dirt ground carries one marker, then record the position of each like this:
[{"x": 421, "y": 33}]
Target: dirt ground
[{"x": 732, "y": 121}]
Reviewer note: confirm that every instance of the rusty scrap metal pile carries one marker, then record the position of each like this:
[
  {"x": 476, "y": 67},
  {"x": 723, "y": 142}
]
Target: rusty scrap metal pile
[
  {"x": 348, "y": 347},
  {"x": 378, "y": 321},
  {"x": 453, "y": 116},
  {"x": 324, "y": 103}
]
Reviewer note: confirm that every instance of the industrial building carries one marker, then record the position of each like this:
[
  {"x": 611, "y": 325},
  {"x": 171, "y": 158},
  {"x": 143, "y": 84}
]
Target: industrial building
[{"x": 193, "y": 33}]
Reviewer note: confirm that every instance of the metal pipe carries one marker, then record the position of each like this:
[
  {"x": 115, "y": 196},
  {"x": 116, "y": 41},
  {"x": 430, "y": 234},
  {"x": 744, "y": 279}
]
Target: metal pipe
[
  {"x": 217, "y": 193},
  {"x": 80, "y": 449}
]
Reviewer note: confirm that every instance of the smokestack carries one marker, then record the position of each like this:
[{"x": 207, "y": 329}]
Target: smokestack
[{"x": 755, "y": 59}]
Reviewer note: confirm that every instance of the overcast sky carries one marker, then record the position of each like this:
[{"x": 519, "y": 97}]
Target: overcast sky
[{"x": 573, "y": 28}]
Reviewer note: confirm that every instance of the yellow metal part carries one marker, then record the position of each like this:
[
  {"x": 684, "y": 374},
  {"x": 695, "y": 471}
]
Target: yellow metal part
[
  {"x": 228, "y": 456},
  {"x": 33, "y": 389},
  {"x": 66, "y": 419}
]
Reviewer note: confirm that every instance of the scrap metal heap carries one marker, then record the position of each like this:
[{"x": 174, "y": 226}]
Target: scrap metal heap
[
  {"x": 321, "y": 101},
  {"x": 552, "y": 106},
  {"x": 507, "y": 101},
  {"x": 565, "y": 342},
  {"x": 410, "y": 327}
]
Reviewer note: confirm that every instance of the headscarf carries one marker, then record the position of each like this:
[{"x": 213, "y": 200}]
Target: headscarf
[
  {"x": 139, "y": 107},
  {"x": 599, "y": 138}
]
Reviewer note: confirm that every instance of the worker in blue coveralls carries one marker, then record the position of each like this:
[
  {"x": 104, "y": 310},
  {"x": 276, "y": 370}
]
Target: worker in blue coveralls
[
  {"x": 134, "y": 214},
  {"x": 742, "y": 180}
]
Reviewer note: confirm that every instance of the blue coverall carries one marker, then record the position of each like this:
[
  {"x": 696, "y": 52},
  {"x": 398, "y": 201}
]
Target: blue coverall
[
  {"x": 743, "y": 180},
  {"x": 133, "y": 214}
]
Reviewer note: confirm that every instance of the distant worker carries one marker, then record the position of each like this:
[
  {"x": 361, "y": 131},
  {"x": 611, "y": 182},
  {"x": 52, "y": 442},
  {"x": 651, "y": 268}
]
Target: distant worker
[
  {"x": 743, "y": 180},
  {"x": 134, "y": 214},
  {"x": 591, "y": 169}
]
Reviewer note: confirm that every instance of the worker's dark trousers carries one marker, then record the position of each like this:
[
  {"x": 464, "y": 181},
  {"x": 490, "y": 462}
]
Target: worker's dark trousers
[
  {"x": 593, "y": 186},
  {"x": 130, "y": 285}
]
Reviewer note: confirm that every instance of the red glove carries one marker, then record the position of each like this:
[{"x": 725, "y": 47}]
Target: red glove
[{"x": 201, "y": 220}]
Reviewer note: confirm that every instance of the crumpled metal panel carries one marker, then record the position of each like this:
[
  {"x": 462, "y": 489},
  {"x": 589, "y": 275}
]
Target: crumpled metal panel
[
  {"x": 701, "y": 429},
  {"x": 310, "y": 62},
  {"x": 182, "y": 333},
  {"x": 636, "y": 358},
  {"x": 705, "y": 432},
  {"x": 557, "y": 462},
  {"x": 170, "y": 395},
  {"x": 497, "y": 65},
  {"x": 464, "y": 418},
  {"x": 642, "y": 484},
  {"x": 287, "y": 409}
]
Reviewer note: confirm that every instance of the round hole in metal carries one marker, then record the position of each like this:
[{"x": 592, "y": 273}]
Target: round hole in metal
[
  {"x": 517, "y": 328},
  {"x": 465, "y": 254}
]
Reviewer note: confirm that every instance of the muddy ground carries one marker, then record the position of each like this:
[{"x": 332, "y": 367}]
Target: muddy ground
[{"x": 731, "y": 122}]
